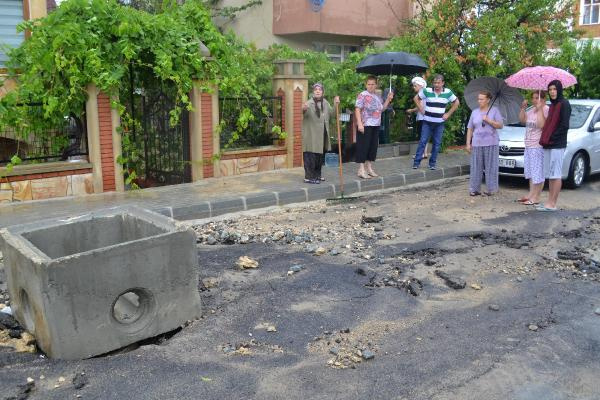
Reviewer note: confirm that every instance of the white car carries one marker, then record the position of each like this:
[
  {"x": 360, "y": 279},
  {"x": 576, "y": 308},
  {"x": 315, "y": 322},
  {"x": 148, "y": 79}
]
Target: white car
[{"x": 582, "y": 156}]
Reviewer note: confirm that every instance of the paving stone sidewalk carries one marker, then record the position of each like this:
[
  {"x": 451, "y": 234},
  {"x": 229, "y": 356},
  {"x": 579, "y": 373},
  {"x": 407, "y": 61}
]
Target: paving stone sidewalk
[{"x": 217, "y": 196}]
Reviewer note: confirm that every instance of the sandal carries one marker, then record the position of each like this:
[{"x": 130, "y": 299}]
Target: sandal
[
  {"x": 474, "y": 194},
  {"x": 522, "y": 200},
  {"x": 363, "y": 176},
  {"x": 373, "y": 174},
  {"x": 529, "y": 203}
]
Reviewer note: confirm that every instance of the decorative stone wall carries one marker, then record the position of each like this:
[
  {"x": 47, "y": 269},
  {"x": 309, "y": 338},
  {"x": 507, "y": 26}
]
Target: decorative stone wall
[
  {"x": 46, "y": 185},
  {"x": 242, "y": 162}
]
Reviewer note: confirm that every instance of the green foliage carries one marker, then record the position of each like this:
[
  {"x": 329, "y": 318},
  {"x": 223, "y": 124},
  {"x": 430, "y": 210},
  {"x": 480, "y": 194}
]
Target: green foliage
[{"x": 589, "y": 76}]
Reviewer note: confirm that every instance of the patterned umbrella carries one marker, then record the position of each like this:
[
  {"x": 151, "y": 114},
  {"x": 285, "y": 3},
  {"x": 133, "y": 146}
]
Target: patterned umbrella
[{"x": 538, "y": 78}]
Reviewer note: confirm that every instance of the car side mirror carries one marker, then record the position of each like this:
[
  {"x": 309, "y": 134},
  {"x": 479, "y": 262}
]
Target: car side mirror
[{"x": 596, "y": 126}]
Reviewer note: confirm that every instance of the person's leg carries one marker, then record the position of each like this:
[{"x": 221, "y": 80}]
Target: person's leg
[
  {"x": 537, "y": 175},
  {"x": 307, "y": 166},
  {"x": 491, "y": 155},
  {"x": 554, "y": 186},
  {"x": 426, "y": 130},
  {"x": 476, "y": 170},
  {"x": 319, "y": 165},
  {"x": 553, "y": 170},
  {"x": 361, "y": 152},
  {"x": 372, "y": 154},
  {"x": 438, "y": 132}
]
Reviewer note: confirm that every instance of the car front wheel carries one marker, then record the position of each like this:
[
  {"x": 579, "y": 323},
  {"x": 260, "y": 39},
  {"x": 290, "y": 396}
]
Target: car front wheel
[{"x": 577, "y": 171}]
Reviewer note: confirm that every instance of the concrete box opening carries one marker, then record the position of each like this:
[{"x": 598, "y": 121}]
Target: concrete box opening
[{"x": 86, "y": 235}]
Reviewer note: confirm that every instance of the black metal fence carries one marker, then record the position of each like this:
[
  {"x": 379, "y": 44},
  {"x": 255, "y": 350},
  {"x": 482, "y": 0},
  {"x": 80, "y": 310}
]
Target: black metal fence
[
  {"x": 262, "y": 115},
  {"x": 38, "y": 141}
]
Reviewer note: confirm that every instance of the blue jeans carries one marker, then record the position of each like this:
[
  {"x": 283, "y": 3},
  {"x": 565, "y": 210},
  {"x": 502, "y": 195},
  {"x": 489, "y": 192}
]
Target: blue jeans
[{"x": 428, "y": 130}]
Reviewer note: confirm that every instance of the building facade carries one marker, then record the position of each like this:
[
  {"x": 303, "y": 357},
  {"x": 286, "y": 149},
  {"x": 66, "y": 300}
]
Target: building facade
[
  {"x": 336, "y": 27},
  {"x": 588, "y": 19}
]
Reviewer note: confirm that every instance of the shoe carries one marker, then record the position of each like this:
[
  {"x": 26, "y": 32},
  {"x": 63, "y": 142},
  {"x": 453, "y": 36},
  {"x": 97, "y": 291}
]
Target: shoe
[
  {"x": 373, "y": 174},
  {"x": 432, "y": 168},
  {"x": 322, "y": 179},
  {"x": 487, "y": 194},
  {"x": 529, "y": 203},
  {"x": 307, "y": 180},
  {"x": 415, "y": 167},
  {"x": 316, "y": 181},
  {"x": 546, "y": 209},
  {"x": 472, "y": 194}
]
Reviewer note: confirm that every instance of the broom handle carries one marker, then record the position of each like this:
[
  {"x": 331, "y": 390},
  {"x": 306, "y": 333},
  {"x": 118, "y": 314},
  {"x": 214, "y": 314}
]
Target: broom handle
[{"x": 339, "y": 138}]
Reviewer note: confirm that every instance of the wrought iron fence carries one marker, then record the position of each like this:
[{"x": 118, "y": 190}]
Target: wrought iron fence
[
  {"x": 38, "y": 141},
  {"x": 262, "y": 116}
]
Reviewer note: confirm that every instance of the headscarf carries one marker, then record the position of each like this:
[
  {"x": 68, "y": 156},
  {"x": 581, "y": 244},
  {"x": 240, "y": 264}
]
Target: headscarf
[
  {"x": 553, "y": 114},
  {"x": 559, "y": 90},
  {"x": 417, "y": 80},
  {"x": 320, "y": 100}
]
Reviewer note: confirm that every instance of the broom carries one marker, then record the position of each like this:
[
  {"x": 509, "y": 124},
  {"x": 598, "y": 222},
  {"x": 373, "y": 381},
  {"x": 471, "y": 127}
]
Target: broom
[{"x": 341, "y": 198}]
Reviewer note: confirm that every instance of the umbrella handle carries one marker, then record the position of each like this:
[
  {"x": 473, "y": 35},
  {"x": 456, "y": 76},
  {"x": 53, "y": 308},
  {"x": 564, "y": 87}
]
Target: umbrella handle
[{"x": 488, "y": 111}]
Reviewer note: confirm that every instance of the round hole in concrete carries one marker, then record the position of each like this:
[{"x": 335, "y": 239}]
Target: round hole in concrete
[
  {"x": 26, "y": 310},
  {"x": 131, "y": 306}
]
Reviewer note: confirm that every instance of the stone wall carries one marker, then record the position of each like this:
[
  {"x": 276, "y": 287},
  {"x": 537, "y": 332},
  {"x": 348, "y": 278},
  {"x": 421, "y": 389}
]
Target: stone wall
[
  {"x": 242, "y": 162},
  {"x": 45, "y": 181}
]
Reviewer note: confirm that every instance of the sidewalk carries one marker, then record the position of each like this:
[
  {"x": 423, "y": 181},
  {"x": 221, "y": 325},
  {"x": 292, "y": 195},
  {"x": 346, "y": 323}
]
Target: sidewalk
[{"x": 217, "y": 196}]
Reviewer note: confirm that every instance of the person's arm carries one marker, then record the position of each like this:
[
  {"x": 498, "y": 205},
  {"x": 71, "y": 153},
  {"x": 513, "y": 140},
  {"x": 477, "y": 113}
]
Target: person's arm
[
  {"x": 495, "y": 123},
  {"x": 420, "y": 104},
  {"x": 565, "y": 116},
  {"x": 455, "y": 105},
  {"x": 359, "y": 122},
  {"x": 469, "y": 138},
  {"x": 541, "y": 117},
  {"x": 522, "y": 113},
  {"x": 388, "y": 100}
]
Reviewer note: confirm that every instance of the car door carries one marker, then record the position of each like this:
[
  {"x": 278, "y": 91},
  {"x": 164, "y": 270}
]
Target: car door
[{"x": 594, "y": 149}]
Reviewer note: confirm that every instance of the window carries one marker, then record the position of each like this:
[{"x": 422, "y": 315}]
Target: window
[
  {"x": 11, "y": 14},
  {"x": 590, "y": 10},
  {"x": 336, "y": 52}
]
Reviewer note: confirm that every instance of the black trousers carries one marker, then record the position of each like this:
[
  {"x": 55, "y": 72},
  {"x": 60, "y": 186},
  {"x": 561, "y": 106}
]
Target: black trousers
[
  {"x": 366, "y": 144},
  {"x": 312, "y": 165}
]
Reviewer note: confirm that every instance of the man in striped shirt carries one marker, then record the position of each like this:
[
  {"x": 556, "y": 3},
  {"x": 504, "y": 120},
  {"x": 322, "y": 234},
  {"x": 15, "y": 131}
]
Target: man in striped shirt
[{"x": 434, "y": 102}]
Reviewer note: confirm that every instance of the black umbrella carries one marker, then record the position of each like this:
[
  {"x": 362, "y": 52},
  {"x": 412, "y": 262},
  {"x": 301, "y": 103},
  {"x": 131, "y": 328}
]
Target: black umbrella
[{"x": 392, "y": 63}]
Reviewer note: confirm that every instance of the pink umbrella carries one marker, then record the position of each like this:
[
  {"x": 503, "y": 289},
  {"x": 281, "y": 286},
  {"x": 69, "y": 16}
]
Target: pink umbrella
[{"x": 538, "y": 78}]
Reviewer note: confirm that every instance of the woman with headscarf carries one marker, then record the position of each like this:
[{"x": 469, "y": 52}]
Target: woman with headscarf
[
  {"x": 418, "y": 83},
  {"x": 315, "y": 137},
  {"x": 554, "y": 142}
]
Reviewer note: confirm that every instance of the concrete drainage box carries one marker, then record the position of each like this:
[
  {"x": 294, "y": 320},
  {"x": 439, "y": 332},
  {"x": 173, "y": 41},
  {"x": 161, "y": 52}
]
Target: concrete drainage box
[{"x": 91, "y": 284}]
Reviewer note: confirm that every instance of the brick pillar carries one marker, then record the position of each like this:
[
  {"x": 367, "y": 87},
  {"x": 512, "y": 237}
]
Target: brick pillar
[
  {"x": 291, "y": 82},
  {"x": 204, "y": 141},
  {"x": 104, "y": 142},
  {"x": 281, "y": 93},
  {"x": 298, "y": 116}
]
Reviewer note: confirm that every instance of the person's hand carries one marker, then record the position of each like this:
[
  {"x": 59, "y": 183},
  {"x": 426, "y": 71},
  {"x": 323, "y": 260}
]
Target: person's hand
[
  {"x": 446, "y": 116},
  {"x": 336, "y": 100},
  {"x": 410, "y": 110},
  {"x": 485, "y": 118},
  {"x": 305, "y": 106},
  {"x": 390, "y": 96},
  {"x": 540, "y": 105},
  {"x": 468, "y": 148},
  {"x": 361, "y": 128},
  {"x": 524, "y": 105}
]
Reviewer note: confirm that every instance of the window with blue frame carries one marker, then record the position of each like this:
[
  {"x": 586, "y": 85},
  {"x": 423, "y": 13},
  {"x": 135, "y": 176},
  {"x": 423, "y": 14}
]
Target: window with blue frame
[{"x": 11, "y": 14}]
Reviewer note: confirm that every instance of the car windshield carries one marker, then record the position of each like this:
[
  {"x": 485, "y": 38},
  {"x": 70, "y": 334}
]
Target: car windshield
[{"x": 579, "y": 114}]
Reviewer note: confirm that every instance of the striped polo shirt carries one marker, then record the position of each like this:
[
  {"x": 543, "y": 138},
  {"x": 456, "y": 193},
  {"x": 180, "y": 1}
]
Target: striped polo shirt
[{"x": 435, "y": 104}]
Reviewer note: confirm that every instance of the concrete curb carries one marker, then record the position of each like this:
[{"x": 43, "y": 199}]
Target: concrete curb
[{"x": 209, "y": 209}]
